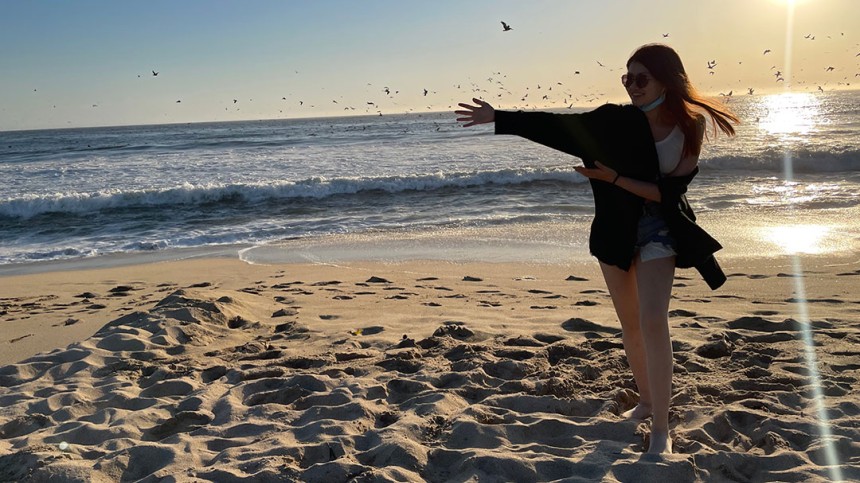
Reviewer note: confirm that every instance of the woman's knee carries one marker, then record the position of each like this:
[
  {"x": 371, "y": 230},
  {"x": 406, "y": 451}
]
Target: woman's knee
[{"x": 654, "y": 322}]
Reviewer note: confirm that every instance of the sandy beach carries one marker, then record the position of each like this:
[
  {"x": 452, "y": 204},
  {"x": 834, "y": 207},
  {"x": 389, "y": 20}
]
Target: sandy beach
[{"x": 218, "y": 370}]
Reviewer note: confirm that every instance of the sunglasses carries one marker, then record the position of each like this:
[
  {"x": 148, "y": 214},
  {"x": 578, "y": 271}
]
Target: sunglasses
[{"x": 641, "y": 80}]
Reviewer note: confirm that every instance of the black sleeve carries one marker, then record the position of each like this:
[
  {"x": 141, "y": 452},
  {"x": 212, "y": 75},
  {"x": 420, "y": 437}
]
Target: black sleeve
[{"x": 576, "y": 134}]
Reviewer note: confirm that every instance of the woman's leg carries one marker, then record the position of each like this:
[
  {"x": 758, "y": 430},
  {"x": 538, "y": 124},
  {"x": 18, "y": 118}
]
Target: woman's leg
[
  {"x": 622, "y": 287},
  {"x": 654, "y": 282}
]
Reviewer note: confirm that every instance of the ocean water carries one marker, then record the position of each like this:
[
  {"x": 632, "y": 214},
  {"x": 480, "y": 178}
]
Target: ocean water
[{"x": 267, "y": 189}]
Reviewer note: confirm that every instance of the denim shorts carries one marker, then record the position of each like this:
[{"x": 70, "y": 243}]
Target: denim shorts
[{"x": 653, "y": 239}]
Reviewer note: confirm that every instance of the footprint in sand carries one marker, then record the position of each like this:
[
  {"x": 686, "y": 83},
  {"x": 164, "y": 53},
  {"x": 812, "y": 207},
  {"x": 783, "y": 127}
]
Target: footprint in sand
[
  {"x": 400, "y": 365},
  {"x": 577, "y": 324},
  {"x": 681, "y": 313},
  {"x": 23, "y": 425},
  {"x": 285, "y": 313},
  {"x": 372, "y": 330},
  {"x": 326, "y": 283},
  {"x": 848, "y": 274},
  {"x": 709, "y": 319},
  {"x": 376, "y": 279},
  {"x": 715, "y": 349},
  {"x": 182, "y": 422},
  {"x": 454, "y": 329},
  {"x": 766, "y": 313},
  {"x": 524, "y": 341}
]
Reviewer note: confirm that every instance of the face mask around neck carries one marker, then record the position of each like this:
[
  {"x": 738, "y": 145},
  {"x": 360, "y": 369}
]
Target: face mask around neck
[{"x": 653, "y": 104}]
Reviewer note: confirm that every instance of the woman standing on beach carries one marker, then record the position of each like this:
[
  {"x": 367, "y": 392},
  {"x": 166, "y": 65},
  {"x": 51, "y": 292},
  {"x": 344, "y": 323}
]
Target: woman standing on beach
[{"x": 639, "y": 159}]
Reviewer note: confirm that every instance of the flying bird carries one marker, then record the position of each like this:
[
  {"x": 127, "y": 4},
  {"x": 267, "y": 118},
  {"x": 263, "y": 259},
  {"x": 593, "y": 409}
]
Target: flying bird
[
  {"x": 665, "y": 35},
  {"x": 766, "y": 51},
  {"x": 506, "y": 27},
  {"x": 751, "y": 90},
  {"x": 154, "y": 73},
  {"x": 829, "y": 69}
]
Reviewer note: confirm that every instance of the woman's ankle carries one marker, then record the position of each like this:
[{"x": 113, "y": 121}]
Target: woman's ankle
[
  {"x": 659, "y": 442},
  {"x": 640, "y": 411}
]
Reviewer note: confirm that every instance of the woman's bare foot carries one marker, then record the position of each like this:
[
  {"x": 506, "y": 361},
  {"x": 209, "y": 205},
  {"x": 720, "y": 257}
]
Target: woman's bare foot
[
  {"x": 641, "y": 411},
  {"x": 661, "y": 443}
]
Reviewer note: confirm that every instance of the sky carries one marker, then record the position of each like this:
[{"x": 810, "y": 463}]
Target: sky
[{"x": 91, "y": 62}]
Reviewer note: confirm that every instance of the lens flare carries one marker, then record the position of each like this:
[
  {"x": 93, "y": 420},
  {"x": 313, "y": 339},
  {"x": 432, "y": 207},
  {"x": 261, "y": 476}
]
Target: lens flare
[{"x": 809, "y": 355}]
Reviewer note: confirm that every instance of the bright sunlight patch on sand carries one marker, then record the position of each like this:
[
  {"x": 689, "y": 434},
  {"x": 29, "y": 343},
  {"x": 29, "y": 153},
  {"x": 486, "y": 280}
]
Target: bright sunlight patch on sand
[{"x": 794, "y": 239}]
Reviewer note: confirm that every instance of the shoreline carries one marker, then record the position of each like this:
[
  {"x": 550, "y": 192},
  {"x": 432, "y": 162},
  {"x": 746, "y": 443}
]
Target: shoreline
[
  {"x": 549, "y": 243},
  {"x": 486, "y": 252}
]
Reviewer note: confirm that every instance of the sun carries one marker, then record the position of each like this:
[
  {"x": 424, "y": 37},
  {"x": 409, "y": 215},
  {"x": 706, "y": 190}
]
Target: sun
[{"x": 790, "y": 3}]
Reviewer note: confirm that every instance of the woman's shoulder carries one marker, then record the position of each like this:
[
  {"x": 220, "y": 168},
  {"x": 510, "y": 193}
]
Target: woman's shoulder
[
  {"x": 610, "y": 107},
  {"x": 616, "y": 112}
]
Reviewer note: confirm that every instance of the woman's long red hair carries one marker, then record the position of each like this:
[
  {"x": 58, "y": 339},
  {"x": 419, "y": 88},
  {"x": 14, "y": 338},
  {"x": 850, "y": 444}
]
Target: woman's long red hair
[{"x": 682, "y": 99}]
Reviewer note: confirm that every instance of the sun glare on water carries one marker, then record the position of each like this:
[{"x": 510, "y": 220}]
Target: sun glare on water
[{"x": 790, "y": 113}]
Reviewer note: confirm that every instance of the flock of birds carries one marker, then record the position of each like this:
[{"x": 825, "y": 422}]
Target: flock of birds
[{"x": 567, "y": 98}]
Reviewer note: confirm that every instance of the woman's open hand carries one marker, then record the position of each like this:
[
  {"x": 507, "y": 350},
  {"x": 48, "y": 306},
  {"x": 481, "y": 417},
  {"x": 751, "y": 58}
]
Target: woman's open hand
[
  {"x": 600, "y": 171},
  {"x": 480, "y": 114}
]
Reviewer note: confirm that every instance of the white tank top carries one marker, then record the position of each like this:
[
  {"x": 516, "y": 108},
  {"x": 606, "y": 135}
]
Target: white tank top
[{"x": 669, "y": 150}]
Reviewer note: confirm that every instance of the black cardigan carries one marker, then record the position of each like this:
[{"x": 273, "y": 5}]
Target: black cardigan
[{"x": 619, "y": 137}]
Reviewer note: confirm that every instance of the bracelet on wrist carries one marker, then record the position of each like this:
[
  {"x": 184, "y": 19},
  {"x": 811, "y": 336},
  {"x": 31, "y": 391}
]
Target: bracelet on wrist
[{"x": 617, "y": 175}]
